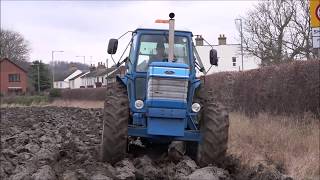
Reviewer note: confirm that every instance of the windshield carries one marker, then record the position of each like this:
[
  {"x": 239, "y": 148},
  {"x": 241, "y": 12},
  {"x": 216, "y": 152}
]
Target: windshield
[{"x": 154, "y": 48}]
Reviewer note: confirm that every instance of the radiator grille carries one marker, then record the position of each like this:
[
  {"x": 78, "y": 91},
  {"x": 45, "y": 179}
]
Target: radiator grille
[{"x": 167, "y": 88}]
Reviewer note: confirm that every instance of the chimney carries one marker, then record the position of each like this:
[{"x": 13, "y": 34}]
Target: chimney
[
  {"x": 222, "y": 40},
  {"x": 72, "y": 66},
  {"x": 92, "y": 67},
  {"x": 199, "y": 40},
  {"x": 101, "y": 65}
]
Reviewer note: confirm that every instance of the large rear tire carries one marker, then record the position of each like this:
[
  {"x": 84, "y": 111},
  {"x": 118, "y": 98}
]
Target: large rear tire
[
  {"x": 115, "y": 124},
  {"x": 214, "y": 127}
]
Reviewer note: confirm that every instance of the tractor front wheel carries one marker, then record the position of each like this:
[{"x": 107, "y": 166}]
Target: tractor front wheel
[
  {"x": 214, "y": 127},
  {"x": 115, "y": 124}
]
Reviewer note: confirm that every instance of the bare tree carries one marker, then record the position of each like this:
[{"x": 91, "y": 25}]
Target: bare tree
[
  {"x": 300, "y": 42},
  {"x": 13, "y": 46},
  {"x": 277, "y": 31}
]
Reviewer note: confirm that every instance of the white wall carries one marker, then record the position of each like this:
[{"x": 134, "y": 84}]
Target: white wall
[
  {"x": 83, "y": 81},
  {"x": 76, "y": 83},
  {"x": 65, "y": 83},
  {"x": 91, "y": 81},
  {"x": 100, "y": 79},
  {"x": 71, "y": 84},
  {"x": 225, "y": 54},
  {"x": 61, "y": 84},
  {"x": 88, "y": 81}
]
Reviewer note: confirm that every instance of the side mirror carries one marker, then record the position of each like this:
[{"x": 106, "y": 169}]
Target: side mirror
[
  {"x": 213, "y": 57},
  {"x": 112, "y": 46}
]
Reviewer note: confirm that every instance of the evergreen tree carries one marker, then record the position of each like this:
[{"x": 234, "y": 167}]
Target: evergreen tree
[{"x": 44, "y": 76}]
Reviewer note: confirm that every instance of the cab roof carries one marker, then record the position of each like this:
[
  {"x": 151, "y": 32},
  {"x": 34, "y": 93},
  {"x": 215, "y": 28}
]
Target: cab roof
[{"x": 162, "y": 30}]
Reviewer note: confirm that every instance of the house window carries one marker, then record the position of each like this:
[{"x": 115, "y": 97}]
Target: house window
[
  {"x": 234, "y": 61},
  {"x": 14, "y": 77},
  {"x": 61, "y": 84}
]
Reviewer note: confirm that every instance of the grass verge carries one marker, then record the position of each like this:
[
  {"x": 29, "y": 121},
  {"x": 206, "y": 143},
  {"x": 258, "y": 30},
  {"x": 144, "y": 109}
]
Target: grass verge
[
  {"x": 24, "y": 100},
  {"x": 291, "y": 144}
]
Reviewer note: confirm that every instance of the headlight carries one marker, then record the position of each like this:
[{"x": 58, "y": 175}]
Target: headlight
[
  {"x": 139, "y": 104},
  {"x": 195, "y": 107}
]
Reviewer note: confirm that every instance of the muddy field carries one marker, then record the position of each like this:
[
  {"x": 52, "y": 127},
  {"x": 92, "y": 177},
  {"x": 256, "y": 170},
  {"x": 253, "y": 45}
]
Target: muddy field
[{"x": 48, "y": 143}]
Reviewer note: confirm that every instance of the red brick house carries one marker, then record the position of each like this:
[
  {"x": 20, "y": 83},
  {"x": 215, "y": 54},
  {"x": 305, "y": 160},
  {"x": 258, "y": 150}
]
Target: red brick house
[{"x": 13, "y": 77}]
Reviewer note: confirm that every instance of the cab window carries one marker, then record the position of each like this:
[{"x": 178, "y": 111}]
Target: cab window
[{"x": 154, "y": 48}]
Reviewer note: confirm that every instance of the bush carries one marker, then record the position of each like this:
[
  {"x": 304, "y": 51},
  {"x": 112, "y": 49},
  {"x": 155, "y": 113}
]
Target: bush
[
  {"x": 291, "y": 88},
  {"x": 53, "y": 93}
]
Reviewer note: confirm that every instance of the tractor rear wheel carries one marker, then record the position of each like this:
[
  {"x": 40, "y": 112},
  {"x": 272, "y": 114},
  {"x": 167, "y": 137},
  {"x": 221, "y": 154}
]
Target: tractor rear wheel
[
  {"x": 115, "y": 124},
  {"x": 214, "y": 127}
]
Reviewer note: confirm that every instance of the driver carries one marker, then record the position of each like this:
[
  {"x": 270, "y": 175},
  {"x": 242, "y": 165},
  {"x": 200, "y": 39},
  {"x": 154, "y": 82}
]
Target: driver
[{"x": 160, "y": 54}]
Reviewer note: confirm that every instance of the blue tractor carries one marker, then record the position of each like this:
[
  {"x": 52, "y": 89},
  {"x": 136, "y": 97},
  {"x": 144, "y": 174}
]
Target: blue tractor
[{"x": 160, "y": 99}]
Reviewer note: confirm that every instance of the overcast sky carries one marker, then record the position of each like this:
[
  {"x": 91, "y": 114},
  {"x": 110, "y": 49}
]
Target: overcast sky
[{"x": 83, "y": 28}]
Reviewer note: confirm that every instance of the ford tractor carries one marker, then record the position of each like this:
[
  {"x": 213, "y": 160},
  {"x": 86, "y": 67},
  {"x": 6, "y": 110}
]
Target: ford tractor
[{"x": 160, "y": 98}]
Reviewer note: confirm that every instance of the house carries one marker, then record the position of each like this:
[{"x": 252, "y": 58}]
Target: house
[
  {"x": 62, "y": 80},
  {"x": 229, "y": 56},
  {"x": 113, "y": 72},
  {"x": 108, "y": 75},
  {"x": 13, "y": 77},
  {"x": 101, "y": 76},
  {"x": 89, "y": 80},
  {"x": 76, "y": 82}
]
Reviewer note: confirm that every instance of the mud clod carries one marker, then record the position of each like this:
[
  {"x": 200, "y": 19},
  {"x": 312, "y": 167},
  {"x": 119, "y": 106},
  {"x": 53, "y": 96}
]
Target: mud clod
[
  {"x": 126, "y": 170},
  {"x": 69, "y": 175},
  {"x": 185, "y": 167},
  {"x": 145, "y": 168},
  {"x": 209, "y": 173},
  {"x": 44, "y": 173}
]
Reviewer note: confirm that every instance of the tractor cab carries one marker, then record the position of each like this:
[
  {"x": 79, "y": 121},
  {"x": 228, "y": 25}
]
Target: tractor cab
[{"x": 160, "y": 89}]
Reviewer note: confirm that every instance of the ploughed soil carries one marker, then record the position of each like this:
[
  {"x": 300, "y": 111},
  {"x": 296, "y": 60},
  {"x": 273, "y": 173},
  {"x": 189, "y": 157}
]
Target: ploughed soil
[{"x": 48, "y": 143}]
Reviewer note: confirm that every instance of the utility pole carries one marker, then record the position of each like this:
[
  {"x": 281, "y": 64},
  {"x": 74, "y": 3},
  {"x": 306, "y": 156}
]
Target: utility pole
[
  {"x": 84, "y": 59},
  {"x": 39, "y": 77},
  {"x": 52, "y": 69},
  {"x": 107, "y": 73},
  {"x": 53, "y": 64},
  {"x": 241, "y": 37}
]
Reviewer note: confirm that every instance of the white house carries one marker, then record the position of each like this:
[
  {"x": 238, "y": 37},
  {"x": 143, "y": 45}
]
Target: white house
[
  {"x": 62, "y": 81},
  {"x": 109, "y": 75},
  {"x": 229, "y": 56},
  {"x": 88, "y": 80},
  {"x": 97, "y": 77},
  {"x": 76, "y": 82}
]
